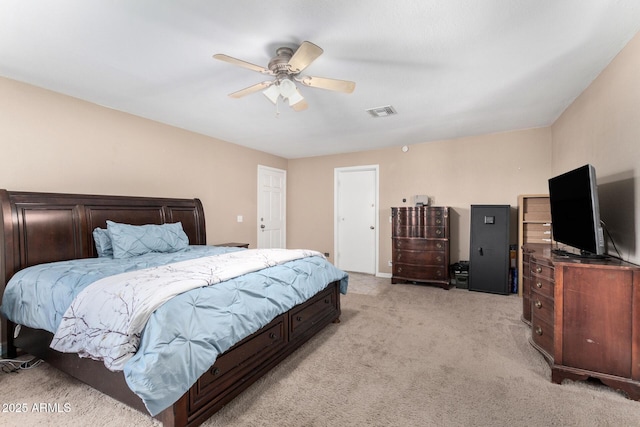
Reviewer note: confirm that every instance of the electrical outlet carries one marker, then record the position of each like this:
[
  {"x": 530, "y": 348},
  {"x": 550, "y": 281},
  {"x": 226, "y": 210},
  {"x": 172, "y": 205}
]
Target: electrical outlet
[
  {"x": 390, "y": 263},
  {"x": 240, "y": 218}
]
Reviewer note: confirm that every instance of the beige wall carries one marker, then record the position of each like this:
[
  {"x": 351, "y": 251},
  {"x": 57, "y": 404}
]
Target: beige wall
[
  {"x": 490, "y": 169},
  {"x": 52, "y": 142},
  {"x": 602, "y": 127}
]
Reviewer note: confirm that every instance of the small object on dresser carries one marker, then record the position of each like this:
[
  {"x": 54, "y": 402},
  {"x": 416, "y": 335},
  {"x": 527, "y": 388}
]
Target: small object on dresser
[
  {"x": 421, "y": 200},
  {"x": 233, "y": 245}
]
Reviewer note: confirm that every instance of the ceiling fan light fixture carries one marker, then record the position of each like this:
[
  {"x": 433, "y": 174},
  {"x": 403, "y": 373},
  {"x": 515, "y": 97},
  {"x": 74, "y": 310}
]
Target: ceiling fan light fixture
[
  {"x": 272, "y": 93},
  {"x": 284, "y": 88},
  {"x": 287, "y": 87},
  {"x": 286, "y": 67},
  {"x": 295, "y": 97}
]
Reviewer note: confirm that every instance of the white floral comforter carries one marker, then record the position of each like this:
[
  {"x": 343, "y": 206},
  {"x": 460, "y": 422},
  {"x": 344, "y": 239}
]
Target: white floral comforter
[{"x": 106, "y": 319}]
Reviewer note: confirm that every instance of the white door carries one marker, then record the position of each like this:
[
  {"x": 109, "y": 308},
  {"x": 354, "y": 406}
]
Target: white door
[
  {"x": 272, "y": 195},
  {"x": 356, "y": 223}
]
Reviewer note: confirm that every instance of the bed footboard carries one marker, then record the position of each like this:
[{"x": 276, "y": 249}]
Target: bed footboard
[
  {"x": 233, "y": 372},
  {"x": 253, "y": 357}
]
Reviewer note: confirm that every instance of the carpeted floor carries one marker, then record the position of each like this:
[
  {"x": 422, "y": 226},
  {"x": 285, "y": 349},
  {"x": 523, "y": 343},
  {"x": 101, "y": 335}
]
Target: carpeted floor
[{"x": 404, "y": 355}]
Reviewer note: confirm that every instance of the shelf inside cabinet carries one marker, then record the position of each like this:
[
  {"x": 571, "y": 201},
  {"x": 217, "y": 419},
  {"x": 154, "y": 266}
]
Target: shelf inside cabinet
[{"x": 534, "y": 226}]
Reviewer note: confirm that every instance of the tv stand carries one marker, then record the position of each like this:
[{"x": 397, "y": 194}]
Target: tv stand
[{"x": 585, "y": 317}]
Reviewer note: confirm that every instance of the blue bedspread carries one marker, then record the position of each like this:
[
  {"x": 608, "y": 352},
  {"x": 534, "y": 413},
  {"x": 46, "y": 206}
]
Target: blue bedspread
[{"x": 184, "y": 336}]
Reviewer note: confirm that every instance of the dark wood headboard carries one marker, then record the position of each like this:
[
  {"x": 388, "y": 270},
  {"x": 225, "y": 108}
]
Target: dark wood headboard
[{"x": 47, "y": 227}]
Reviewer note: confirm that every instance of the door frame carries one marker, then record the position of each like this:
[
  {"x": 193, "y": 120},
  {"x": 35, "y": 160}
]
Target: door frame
[
  {"x": 284, "y": 202},
  {"x": 336, "y": 209}
]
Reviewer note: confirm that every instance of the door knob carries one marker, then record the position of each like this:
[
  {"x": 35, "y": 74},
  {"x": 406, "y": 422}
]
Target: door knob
[
  {"x": 262, "y": 225},
  {"x": 371, "y": 227}
]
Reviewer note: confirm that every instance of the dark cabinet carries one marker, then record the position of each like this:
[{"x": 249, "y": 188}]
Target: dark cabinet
[
  {"x": 489, "y": 251},
  {"x": 420, "y": 245}
]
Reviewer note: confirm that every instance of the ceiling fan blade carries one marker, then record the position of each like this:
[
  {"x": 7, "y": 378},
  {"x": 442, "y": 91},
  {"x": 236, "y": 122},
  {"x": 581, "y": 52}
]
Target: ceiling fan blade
[
  {"x": 299, "y": 106},
  {"x": 251, "y": 89},
  {"x": 305, "y": 55},
  {"x": 240, "y": 62},
  {"x": 329, "y": 84}
]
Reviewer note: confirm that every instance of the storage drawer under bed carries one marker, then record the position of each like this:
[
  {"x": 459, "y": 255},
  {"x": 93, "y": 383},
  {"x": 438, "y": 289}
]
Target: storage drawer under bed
[
  {"x": 246, "y": 355},
  {"x": 244, "y": 358},
  {"x": 307, "y": 315}
]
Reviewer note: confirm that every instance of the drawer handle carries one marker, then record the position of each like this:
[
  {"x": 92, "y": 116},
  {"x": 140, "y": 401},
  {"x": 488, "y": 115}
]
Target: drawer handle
[
  {"x": 439, "y": 245},
  {"x": 299, "y": 318},
  {"x": 538, "y": 304},
  {"x": 538, "y": 330},
  {"x": 439, "y": 258},
  {"x": 538, "y": 284},
  {"x": 399, "y": 256},
  {"x": 214, "y": 371},
  {"x": 438, "y": 221},
  {"x": 538, "y": 269},
  {"x": 273, "y": 335},
  {"x": 399, "y": 269},
  {"x": 438, "y": 232}
]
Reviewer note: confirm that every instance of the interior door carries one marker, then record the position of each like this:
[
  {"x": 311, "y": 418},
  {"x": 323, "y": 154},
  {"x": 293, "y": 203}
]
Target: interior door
[
  {"x": 357, "y": 219},
  {"x": 272, "y": 193}
]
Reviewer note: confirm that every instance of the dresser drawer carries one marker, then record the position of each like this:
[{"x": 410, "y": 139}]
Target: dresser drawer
[
  {"x": 542, "y": 271},
  {"x": 421, "y": 244},
  {"x": 526, "y": 286},
  {"x": 419, "y": 257},
  {"x": 542, "y": 307},
  {"x": 419, "y": 273},
  {"x": 526, "y": 298},
  {"x": 541, "y": 286},
  {"x": 249, "y": 353},
  {"x": 542, "y": 278},
  {"x": 419, "y": 220},
  {"x": 421, "y": 231},
  {"x": 313, "y": 311},
  {"x": 542, "y": 333},
  {"x": 422, "y": 216}
]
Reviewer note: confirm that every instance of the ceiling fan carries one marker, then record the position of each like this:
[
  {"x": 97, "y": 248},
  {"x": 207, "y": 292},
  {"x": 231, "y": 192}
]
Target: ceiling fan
[{"x": 287, "y": 67}]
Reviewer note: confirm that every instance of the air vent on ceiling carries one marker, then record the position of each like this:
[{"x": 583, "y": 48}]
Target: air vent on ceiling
[{"x": 385, "y": 111}]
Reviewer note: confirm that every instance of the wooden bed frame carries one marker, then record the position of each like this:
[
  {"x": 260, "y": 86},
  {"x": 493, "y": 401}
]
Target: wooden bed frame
[{"x": 47, "y": 227}]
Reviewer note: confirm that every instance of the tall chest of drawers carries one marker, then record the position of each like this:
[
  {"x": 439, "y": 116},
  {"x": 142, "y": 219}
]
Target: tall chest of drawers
[{"x": 420, "y": 245}]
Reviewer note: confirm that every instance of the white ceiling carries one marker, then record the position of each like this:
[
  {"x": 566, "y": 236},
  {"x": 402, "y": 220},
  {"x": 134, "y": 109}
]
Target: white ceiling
[{"x": 450, "y": 68}]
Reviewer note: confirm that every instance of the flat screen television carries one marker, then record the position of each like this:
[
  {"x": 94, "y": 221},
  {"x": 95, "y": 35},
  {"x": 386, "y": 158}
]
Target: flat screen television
[{"x": 575, "y": 211}]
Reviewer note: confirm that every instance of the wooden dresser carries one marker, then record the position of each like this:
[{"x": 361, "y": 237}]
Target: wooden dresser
[
  {"x": 585, "y": 317},
  {"x": 420, "y": 245}
]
